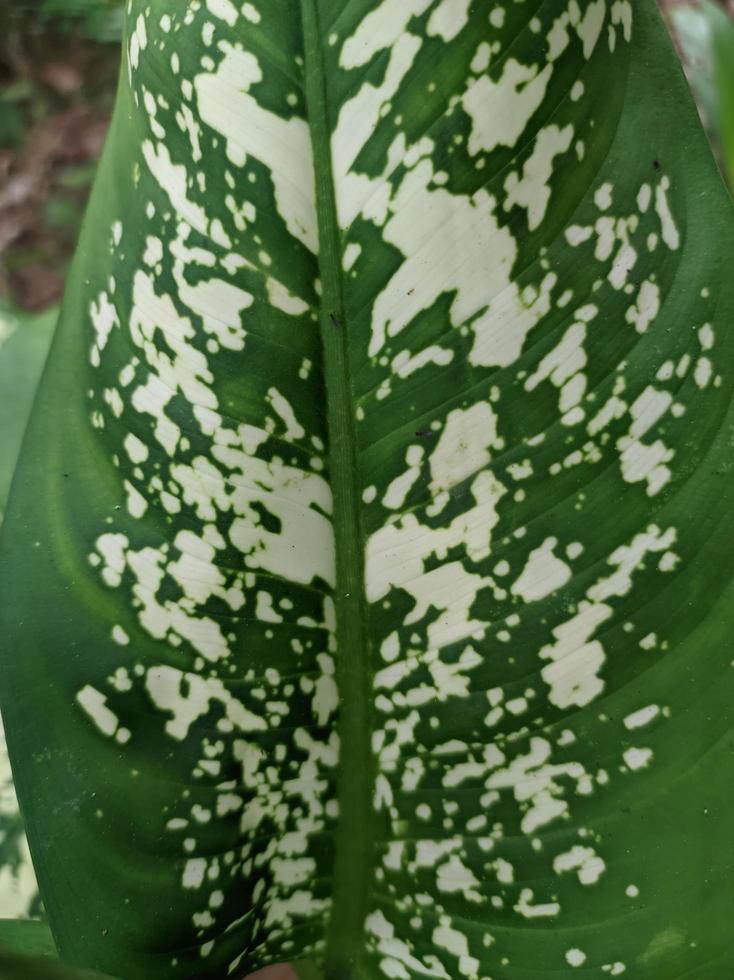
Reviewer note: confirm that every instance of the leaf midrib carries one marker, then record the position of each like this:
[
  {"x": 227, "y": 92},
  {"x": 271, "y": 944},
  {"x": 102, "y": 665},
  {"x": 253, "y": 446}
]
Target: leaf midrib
[{"x": 353, "y": 840}]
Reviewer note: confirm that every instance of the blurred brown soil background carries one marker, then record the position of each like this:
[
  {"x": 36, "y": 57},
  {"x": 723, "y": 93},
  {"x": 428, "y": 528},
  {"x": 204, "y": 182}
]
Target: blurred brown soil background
[{"x": 58, "y": 73}]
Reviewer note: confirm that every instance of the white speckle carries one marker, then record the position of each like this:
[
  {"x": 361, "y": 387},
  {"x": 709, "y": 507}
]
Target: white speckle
[
  {"x": 282, "y": 145},
  {"x": 603, "y": 197},
  {"x": 642, "y": 717},
  {"x": 464, "y": 445},
  {"x": 702, "y": 372},
  {"x": 194, "y": 872},
  {"x": 187, "y": 697},
  {"x": 351, "y": 254},
  {"x": 112, "y": 549},
  {"x": 647, "y": 306},
  {"x": 563, "y": 367},
  {"x": 706, "y": 336},
  {"x": 138, "y": 41},
  {"x": 590, "y": 27},
  {"x": 543, "y": 573},
  {"x": 573, "y": 674},
  {"x": 532, "y": 190},
  {"x": 628, "y": 559},
  {"x": 104, "y": 317},
  {"x": 449, "y": 18},
  {"x": 379, "y": 29},
  {"x": 281, "y": 405},
  {"x": 641, "y": 461},
  {"x": 399, "y": 488},
  {"x": 223, "y": 9},
  {"x": 264, "y": 610},
  {"x": 136, "y": 502},
  {"x": 587, "y": 864},
  {"x": 457, "y": 945},
  {"x": 136, "y": 450},
  {"x": 525, "y": 907},
  {"x": 481, "y": 59},
  {"x": 669, "y": 231},
  {"x": 251, "y": 13},
  {"x": 390, "y": 647},
  {"x": 637, "y": 758},
  {"x": 94, "y": 704},
  {"x": 120, "y": 636},
  {"x": 578, "y": 234},
  {"x": 282, "y": 299},
  {"x": 404, "y": 365},
  {"x": 501, "y": 109}
]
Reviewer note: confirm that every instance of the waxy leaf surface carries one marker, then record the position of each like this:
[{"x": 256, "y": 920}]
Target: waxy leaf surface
[{"x": 367, "y": 578}]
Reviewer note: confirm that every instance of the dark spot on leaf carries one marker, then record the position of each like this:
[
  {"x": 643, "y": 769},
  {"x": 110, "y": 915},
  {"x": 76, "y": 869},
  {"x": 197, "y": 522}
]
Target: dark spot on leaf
[{"x": 268, "y": 520}]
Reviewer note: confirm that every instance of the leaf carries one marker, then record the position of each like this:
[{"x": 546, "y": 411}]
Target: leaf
[
  {"x": 24, "y": 343},
  {"x": 706, "y": 34},
  {"x": 367, "y": 587},
  {"x": 19, "y": 897},
  {"x": 305, "y": 970},
  {"x": 14, "y": 967},
  {"x": 26, "y": 937}
]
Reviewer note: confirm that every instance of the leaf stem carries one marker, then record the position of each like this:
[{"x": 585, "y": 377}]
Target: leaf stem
[{"x": 354, "y": 835}]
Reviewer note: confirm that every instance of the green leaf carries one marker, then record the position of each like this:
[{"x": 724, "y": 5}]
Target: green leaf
[
  {"x": 14, "y": 967},
  {"x": 307, "y": 971},
  {"x": 19, "y": 897},
  {"x": 706, "y": 34},
  {"x": 26, "y": 937},
  {"x": 367, "y": 589},
  {"x": 24, "y": 343}
]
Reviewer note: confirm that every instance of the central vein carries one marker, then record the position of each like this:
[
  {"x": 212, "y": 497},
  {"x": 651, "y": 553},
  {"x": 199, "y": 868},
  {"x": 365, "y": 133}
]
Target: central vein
[{"x": 353, "y": 839}]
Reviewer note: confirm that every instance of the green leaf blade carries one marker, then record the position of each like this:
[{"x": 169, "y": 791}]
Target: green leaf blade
[
  {"x": 24, "y": 343},
  {"x": 396, "y": 418}
]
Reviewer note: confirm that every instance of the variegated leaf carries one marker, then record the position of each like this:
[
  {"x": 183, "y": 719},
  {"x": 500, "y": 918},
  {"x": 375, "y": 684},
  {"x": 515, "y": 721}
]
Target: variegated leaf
[
  {"x": 367, "y": 581},
  {"x": 24, "y": 342}
]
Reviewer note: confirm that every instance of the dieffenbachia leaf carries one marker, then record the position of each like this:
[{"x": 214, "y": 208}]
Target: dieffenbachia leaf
[
  {"x": 367, "y": 589},
  {"x": 24, "y": 342}
]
